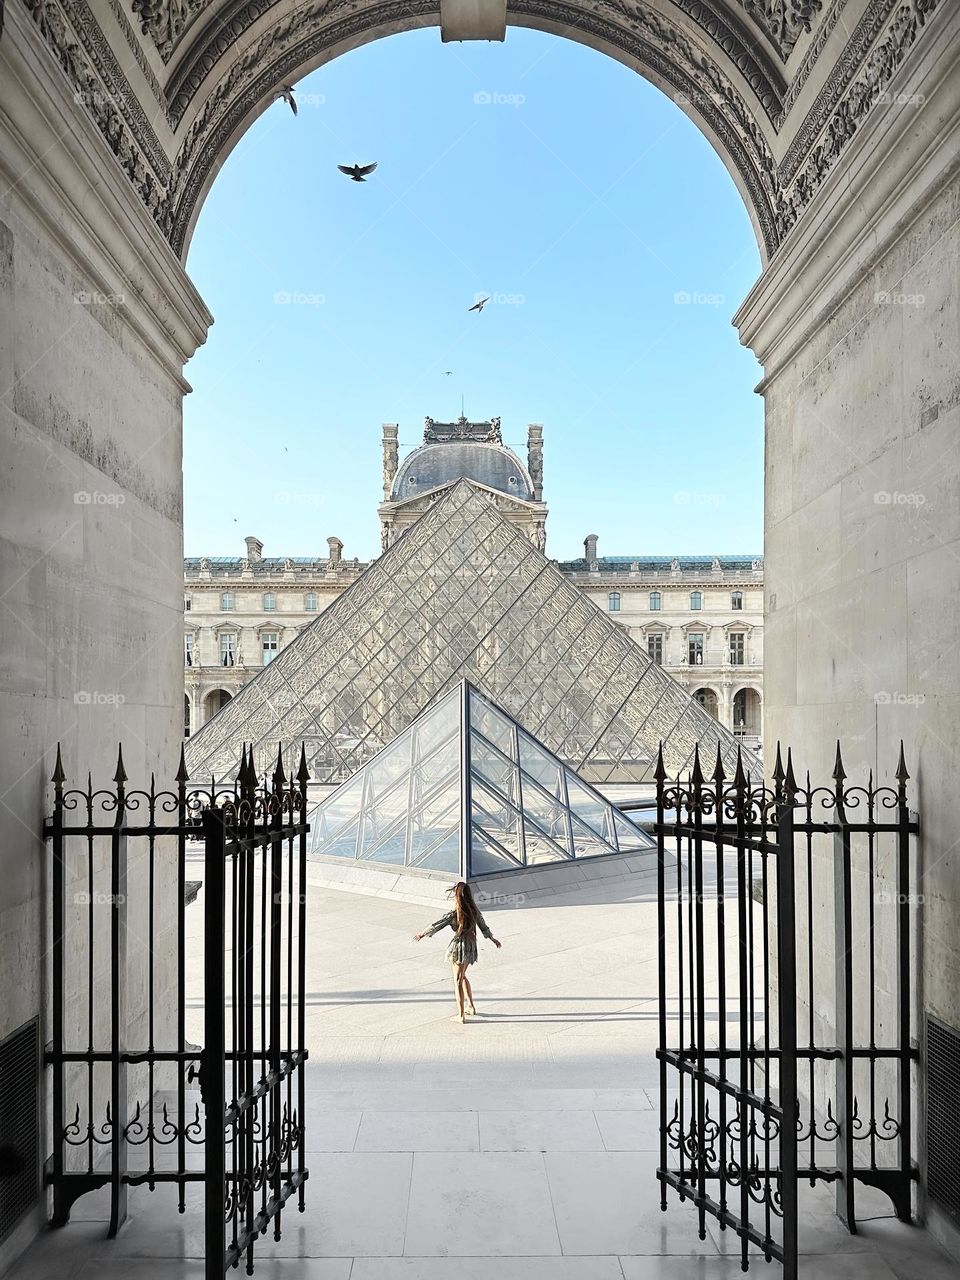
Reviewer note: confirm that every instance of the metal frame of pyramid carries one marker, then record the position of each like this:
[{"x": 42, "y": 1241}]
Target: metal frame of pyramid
[
  {"x": 463, "y": 594},
  {"x": 467, "y": 792}
]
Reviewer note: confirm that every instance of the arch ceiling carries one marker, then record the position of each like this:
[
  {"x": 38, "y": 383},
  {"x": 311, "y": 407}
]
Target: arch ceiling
[{"x": 778, "y": 86}]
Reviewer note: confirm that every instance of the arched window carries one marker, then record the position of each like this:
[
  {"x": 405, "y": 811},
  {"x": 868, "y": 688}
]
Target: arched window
[
  {"x": 613, "y": 602},
  {"x": 736, "y": 599},
  {"x": 696, "y": 600},
  {"x": 310, "y": 602},
  {"x": 269, "y": 602},
  {"x": 654, "y": 601},
  {"x": 226, "y": 602},
  {"x": 708, "y": 700},
  {"x": 746, "y": 713}
]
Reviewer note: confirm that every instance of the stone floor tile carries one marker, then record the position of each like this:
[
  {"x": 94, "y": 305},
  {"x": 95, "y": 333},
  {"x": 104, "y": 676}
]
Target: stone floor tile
[
  {"x": 495, "y": 1204},
  {"x": 418, "y": 1131},
  {"x": 539, "y": 1131},
  {"x": 482, "y": 1269}
]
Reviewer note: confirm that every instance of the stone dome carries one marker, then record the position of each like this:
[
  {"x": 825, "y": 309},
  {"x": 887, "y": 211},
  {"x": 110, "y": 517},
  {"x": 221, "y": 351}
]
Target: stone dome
[{"x": 433, "y": 465}]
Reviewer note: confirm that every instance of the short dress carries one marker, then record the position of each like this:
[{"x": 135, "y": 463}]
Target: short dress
[{"x": 463, "y": 948}]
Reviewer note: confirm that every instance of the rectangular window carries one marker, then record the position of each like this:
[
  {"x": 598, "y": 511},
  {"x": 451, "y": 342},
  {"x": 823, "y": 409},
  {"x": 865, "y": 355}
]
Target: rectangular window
[
  {"x": 188, "y": 649},
  {"x": 226, "y": 601},
  {"x": 736, "y": 599},
  {"x": 695, "y": 649},
  {"x": 269, "y": 603},
  {"x": 228, "y": 649},
  {"x": 269, "y": 644},
  {"x": 655, "y": 649},
  {"x": 654, "y": 600},
  {"x": 187, "y": 602},
  {"x": 613, "y": 602},
  {"x": 737, "y": 648}
]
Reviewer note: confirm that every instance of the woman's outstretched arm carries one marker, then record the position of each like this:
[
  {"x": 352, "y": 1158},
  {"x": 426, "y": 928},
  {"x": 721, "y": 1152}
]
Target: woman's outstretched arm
[
  {"x": 485, "y": 930},
  {"x": 442, "y": 923}
]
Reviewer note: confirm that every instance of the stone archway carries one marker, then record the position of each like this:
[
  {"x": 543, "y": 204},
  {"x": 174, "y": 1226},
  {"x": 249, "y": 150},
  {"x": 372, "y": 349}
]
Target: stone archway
[{"x": 838, "y": 120}]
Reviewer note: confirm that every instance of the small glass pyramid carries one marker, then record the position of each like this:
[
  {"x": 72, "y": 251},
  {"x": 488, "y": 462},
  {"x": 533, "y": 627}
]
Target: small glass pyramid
[{"x": 466, "y": 790}]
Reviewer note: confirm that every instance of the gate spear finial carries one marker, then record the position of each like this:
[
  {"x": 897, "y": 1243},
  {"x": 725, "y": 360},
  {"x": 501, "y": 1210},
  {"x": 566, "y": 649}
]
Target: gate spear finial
[
  {"x": 182, "y": 775},
  {"x": 778, "y": 774},
  {"x": 303, "y": 773},
  {"x": 660, "y": 773},
  {"x": 121, "y": 775},
  {"x": 901, "y": 774},
  {"x": 718, "y": 774},
  {"x": 696, "y": 773},
  {"x": 838, "y": 771},
  {"x": 279, "y": 777},
  {"x": 790, "y": 781},
  {"x": 59, "y": 777}
]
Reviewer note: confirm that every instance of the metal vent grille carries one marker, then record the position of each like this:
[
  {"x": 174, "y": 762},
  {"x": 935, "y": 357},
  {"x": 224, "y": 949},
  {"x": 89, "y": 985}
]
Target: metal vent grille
[
  {"x": 943, "y": 1116},
  {"x": 19, "y": 1125}
]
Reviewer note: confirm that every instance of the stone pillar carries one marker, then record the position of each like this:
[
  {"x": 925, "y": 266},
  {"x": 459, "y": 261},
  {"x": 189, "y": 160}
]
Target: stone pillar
[
  {"x": 535, "y": 458},
  {"x": 391, "y": 457}
]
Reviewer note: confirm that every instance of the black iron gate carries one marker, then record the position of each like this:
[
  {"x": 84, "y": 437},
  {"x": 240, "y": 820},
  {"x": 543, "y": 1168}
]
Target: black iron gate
[
  {"x": 784, "y": 1058},
  {"x": 130, "y": 983}
]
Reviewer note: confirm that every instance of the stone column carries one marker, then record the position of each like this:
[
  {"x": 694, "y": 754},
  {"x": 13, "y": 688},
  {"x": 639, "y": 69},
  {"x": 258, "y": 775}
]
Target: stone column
[
  {"x": 535, "y": 458},
  {"x": 391, "y": 457}
]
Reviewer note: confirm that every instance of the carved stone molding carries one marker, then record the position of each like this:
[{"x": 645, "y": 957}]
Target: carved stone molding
[
  {"x": 103, "y": 91},
  {"x": 165, "y": 21},
  {"x": 783, "y": 21},
  {"x": 812, "y": 54},
  {"x": 133, "y": 43},
  {"x": 800, "y": 178}
]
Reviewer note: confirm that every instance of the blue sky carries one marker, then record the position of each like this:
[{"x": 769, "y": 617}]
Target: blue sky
[{"x": 539, "y": 171}]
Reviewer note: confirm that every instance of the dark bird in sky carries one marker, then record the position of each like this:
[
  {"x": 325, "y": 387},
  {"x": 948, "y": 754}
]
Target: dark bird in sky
[
  {"x": 286, "y": 92},
  {"x": 358, "y": 172},
  {"x": 479, "y": 305},
  {"x": 447, "y": 373}
]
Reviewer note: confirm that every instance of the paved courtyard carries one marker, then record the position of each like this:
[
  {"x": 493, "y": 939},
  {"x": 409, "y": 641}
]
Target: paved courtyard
[{"x": 520, "y": 1146}]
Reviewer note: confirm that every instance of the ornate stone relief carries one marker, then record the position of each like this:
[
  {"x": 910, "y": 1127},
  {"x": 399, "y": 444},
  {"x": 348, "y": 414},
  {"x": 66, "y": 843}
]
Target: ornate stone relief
[
  {"x": 784, "y": 21},
  {"x": 166, "y": 20},
  {"x": 803, "y": 171},
  {"x": 119, "y": 118}
]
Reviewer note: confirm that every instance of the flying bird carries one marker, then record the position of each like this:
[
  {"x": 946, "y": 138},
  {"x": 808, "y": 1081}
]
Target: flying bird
[
  {"x": 479, "y": 305},
  {"x": 358, "y": 172},
  {"x": 447, "y": 373},
  {"x": 286, "y": 92}
]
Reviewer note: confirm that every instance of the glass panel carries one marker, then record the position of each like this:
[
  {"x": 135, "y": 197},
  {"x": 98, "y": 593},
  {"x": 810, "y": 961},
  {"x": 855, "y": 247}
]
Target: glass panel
[
  {"x": 494, "y": 727},
  {"x": 630, "y": 837},
  {"x": 586, "y": 843},
  {"x": 342, "y": 845},
  {"x": 497, "y": 819},
  {"x": 588, "y": 806},
  {"x": 433, "y": 821},
  {"x": 535, "y": 761},
  {"x": 548, "y": 815},
  {"x": 488, "y": 765},
  {"x": 444, "y": 856},
  {"x": 540, "y": 848},
  {"x": 485, "y": 857}
]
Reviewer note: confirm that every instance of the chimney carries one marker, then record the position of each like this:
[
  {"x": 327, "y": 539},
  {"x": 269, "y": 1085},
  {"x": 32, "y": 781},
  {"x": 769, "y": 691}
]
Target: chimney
[
  {"x": 391, "y": 457},
  {"x": 336, "y": 551},
  {"x": 254, "y": 549},
  {"x": 535, "y": 458},
  {"x": 590, "y": 551}
]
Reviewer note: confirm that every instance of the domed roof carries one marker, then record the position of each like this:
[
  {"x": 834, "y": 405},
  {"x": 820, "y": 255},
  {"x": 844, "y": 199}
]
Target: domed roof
[{"x": 433, "y": 465}]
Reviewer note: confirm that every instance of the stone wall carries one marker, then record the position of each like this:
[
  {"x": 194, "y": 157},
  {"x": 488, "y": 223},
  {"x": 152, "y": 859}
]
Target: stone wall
[
  {"x": 859, "y": 332},
  {"x": 91, "y": 563}
]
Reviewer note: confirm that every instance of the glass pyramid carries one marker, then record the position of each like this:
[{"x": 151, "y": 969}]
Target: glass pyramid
[
  {"x": 462, "y": 595},
  {"x": 465, "y": 790}
]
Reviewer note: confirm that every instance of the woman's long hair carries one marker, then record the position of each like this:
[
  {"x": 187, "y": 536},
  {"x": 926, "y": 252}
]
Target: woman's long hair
[{"x": 464, "y": 906}]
